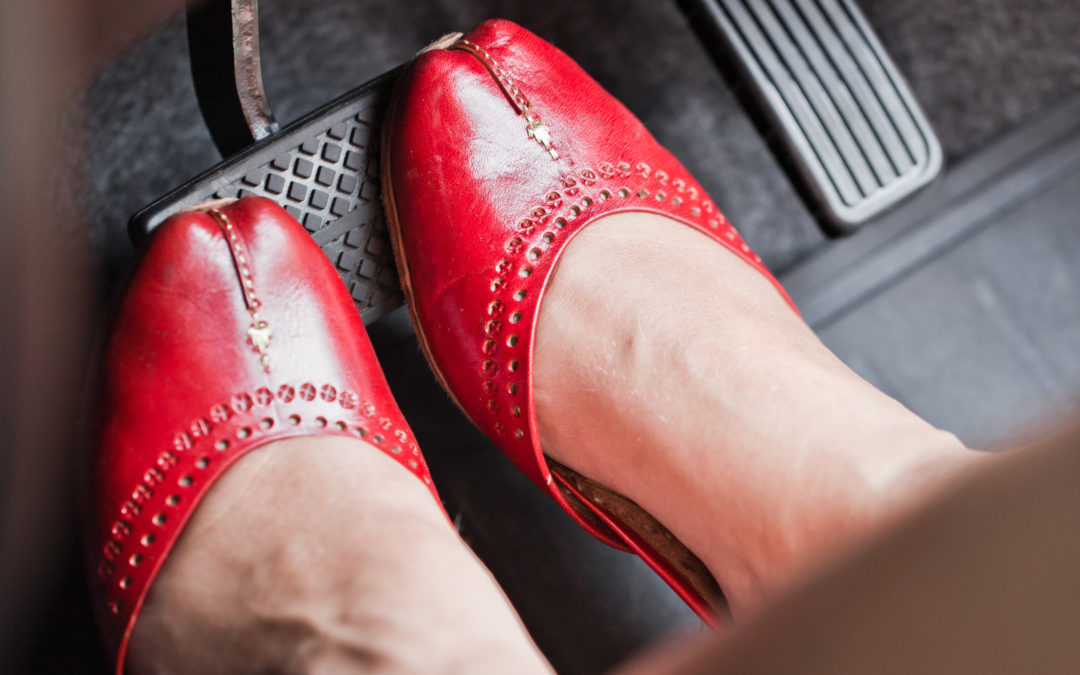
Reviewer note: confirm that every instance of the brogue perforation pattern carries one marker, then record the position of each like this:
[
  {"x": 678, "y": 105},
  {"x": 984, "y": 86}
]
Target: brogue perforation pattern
[
  {"x": 202, "y": 450},
  {"x": 581, "y": 197}
]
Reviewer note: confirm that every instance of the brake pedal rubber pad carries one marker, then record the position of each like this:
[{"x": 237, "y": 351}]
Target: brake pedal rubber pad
[
  {"x": 829, "y": 100},
  {"x": 324, "y": 170}
]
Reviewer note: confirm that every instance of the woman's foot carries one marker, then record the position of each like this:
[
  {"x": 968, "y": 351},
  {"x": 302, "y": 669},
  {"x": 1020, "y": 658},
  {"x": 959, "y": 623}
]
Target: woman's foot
[
  {"x": 585, "y": 302},
  {"x": 703, "y": 397},
  {"x": 260, "y": 503},
  {"x": 323, "y": 555}
]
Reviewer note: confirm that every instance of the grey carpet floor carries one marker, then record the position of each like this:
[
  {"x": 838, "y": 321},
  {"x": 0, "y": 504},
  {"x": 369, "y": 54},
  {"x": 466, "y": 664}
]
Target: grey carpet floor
[{"x": 980, "y": 66}]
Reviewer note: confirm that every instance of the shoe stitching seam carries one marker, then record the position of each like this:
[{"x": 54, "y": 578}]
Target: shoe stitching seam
[
  {"x": 258, "y": 334},
  {"x": 536, "y": 129},
  {"x": 132, "y": 520}
]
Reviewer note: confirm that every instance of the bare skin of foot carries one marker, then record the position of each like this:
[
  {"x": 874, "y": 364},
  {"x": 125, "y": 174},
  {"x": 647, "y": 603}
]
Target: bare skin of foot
[
  {"x": 700, "y": 395},
  {"x": 981, "y": 579},
  {"x": 323, "y": 555},
  {"x": 703, "y": 397}
]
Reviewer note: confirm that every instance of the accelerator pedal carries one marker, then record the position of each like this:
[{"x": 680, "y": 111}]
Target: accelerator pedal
[{"x": 829, "y": 100}]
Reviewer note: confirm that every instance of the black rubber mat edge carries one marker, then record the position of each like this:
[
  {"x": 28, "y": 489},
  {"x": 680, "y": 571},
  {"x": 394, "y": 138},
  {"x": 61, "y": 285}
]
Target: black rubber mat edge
[{"x": 1029, "y": 159}]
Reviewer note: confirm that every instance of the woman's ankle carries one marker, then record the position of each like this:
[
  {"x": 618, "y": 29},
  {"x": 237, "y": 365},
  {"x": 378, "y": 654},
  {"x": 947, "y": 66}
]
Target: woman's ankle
[{"x": 731, "y": 423}]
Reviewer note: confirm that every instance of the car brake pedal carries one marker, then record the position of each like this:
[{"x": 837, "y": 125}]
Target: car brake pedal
[
  {"x": 829, "y": 100},
  {"x": 323, "y": 168}
]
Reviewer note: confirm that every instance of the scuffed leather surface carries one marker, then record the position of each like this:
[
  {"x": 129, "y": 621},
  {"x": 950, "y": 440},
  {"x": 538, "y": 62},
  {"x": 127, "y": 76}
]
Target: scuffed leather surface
[{"x": 180, "y": 380}]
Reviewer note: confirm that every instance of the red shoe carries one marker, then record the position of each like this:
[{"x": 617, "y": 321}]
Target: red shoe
[
  {"x": 235, "y": 331},
  {"x": 498, "y": 149}
]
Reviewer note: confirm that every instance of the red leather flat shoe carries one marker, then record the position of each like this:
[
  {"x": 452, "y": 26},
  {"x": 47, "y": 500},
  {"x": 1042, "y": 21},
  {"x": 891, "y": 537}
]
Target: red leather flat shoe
[
  {"x": 235, "y": 330},
  {"x": 497, "y": 150}
]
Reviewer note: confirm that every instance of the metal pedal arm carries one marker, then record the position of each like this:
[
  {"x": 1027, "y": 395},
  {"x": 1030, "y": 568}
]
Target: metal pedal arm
[{"x": 223, "y": 41}]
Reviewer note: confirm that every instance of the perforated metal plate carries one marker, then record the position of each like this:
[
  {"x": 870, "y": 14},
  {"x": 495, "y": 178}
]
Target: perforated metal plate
[{"x": 324, "y": 170}]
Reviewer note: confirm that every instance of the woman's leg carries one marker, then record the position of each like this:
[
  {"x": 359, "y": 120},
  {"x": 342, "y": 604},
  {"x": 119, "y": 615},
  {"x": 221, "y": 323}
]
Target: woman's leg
[
  {"x": 324, "y": 555},
  {"x": 671, "y": 371},
  {"x": 982, "y": 580}
]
